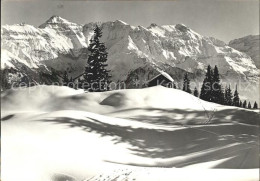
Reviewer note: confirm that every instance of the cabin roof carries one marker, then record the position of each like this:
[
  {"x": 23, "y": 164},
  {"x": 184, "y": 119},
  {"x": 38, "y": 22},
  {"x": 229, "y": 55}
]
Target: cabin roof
[
  {"x": 78, "y": 76},
  {"x": 165, "y": 75}
]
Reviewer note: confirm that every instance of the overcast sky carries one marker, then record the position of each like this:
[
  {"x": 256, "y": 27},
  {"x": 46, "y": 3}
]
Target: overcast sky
[{"x": 225, "y": 20}]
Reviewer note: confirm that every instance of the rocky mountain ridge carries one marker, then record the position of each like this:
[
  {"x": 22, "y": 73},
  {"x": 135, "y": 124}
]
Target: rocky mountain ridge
[
  {"x": 59, "y": 45},
  {"x": 249, "y": 45}
]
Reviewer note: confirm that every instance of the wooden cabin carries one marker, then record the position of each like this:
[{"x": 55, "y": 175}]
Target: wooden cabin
[{"x": 162, "y": 79}]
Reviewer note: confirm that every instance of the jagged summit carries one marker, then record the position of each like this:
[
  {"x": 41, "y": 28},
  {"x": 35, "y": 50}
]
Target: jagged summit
[
  {"x": 182, "y": 27},
  {"x": 115, "y": 23},
  {"x": 121, "y": 22},
  {"x": 19, "y": 28},
  {"x": 170, "y": 28},
  {"x": 152, "y": 25},
  {"x": 57, "y": 20}
]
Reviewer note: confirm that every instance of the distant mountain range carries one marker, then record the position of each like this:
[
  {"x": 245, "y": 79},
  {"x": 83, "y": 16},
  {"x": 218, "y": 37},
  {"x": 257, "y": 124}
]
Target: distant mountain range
[
  {"x": 249, "y": 45},
  {"x": 43, "y": 54}
]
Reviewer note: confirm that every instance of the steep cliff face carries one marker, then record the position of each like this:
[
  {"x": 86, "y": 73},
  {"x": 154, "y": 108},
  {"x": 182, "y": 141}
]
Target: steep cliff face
[
  {"x": 249, "y": 45},
  {"x": 62, "y": 45}
]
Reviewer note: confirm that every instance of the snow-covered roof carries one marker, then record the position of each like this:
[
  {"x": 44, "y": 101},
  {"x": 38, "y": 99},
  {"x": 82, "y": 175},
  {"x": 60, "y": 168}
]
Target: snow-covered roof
[
  {"x": 78, "y": 76},
  {"x": 164, "y": 74}
]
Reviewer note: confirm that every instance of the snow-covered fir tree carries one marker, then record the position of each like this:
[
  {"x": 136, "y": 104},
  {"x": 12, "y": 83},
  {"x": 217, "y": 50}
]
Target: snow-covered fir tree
[
  {"x": 228, "y": 96},
  {"x": 244, "y": 104},
  {"x": 71, "y": 83},
  {"x": 97, "y": 77},
  {"x": 205, "y": 92},
  {"x": 222, "y": 96},
  {"x": 196, "y": 92},
  {"x": 236, "y": 99},
  {"x": 255, "y": 105},
  {"x": 240, "y": 104},
  {"x": 186, "y": 84},
  {"x": 249, "y": 105},
  {"x": 65, "y": 78},
  {"x": 216, "y": 93}
]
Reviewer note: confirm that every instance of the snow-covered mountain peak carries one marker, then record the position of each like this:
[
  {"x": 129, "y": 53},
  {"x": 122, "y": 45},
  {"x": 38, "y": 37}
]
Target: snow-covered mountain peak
[
  {"x": 178, "y": 33},
  {"x": 181, "y": 27},
  {"x": 152, "y": 25},
  {"x": 113, "y": 24},
  {"x": 19, "y": 28},
  {"x": 121, "y": 22},
  {"x": 58, "y": 22},
  {"x": 217, "y": 42}
]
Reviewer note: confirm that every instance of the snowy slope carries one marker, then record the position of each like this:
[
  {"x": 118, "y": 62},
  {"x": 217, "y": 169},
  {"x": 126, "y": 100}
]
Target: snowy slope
[
  {"x": 34, "y": 45},
  {"x": 249, "y": 45},
  {"x": 57, "y": 133},
  {"x": 61, "y": 45},
  {"x": 11, "y": 61}
]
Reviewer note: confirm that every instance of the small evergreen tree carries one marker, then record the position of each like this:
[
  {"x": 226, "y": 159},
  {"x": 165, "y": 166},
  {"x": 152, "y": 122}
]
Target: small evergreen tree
[
  {"x": 228, "y": 96},
  {"x": 65, "y": 78},
  {"x": 196, "y": 92},
  {"x": 186, "y": 84},
  {"x": 236, "y": 99},
  {"x": 71, "y": 83},
  {"x": 205, "y": 92},
  {"x": 216, "y": 87},
  {"x": 225, "y": 97},
  {"x": 249, "y": 105},
  {"x": 222, "y": 96},
  {"x": 244, "y": 104},
  {"x": 240, "y": 104},
  {"x": 255, "y": 105},
  {"x": 96, "y": 75}
]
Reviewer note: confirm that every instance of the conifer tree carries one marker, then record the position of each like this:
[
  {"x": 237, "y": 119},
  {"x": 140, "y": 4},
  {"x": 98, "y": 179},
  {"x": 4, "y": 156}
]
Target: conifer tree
[
  {"x": 216, "y": 87},
  {"x": 205, "y": 92},
  {"x": 249, "y": 105},
  {"x": 228, "y": 96},
  {"x": 225, "y": 91},
  {"x": 222, "y": 96},
  {"x": 196, "y": 92},
  {"x": 255, "y": 105},
  {"x": 244, "y": 104},
  {"x": 71, "y": 83},
  {"x": 96, "y": 75},
  {"x": 65, "y": 78},
  {"x": 71, "y": 79},
  {"x": 240, "y": 104},
  {"x": 236, "y": 99},
  {"x": 186, "y": 84}
]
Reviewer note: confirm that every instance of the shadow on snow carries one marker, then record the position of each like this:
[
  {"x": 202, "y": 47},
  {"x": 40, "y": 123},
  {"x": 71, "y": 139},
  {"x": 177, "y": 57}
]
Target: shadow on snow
[{"x": 207, "y": 142}]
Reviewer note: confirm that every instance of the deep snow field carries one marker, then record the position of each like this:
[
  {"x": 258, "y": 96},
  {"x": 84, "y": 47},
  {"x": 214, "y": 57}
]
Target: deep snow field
[{"x": 52, "y": 133}]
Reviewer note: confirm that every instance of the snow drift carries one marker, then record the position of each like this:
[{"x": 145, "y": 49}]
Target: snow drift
[{"x": 58, "y": 133}]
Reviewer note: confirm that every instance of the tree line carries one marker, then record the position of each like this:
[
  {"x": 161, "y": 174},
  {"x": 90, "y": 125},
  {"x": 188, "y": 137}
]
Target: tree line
[{"x": 213, "y": 91}]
